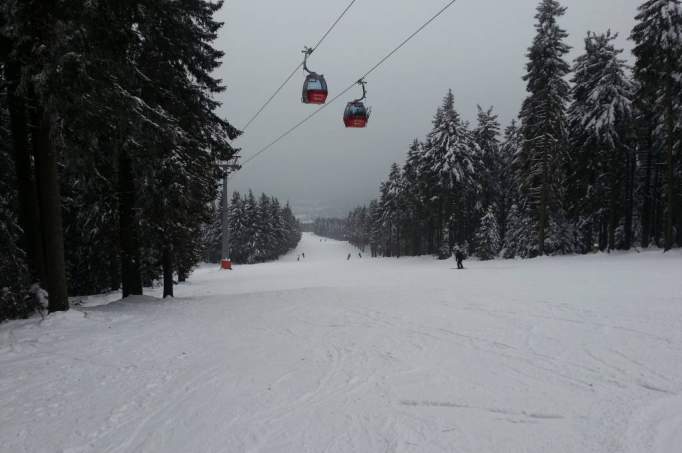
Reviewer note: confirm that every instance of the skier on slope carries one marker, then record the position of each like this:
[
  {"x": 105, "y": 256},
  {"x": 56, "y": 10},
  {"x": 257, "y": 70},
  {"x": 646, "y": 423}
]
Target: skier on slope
[{"x": 459, "y": 257}]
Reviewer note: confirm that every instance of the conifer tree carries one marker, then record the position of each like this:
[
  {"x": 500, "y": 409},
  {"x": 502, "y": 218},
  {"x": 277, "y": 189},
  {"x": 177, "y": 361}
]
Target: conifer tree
[
  {"x": 414, "y": 198},
  {"x": 486, "y": 135},
  {"x": 488, "y": 236},
  {"x": 543, "y": 116},
  {"x": 451, "y": 160},
  {"x": 658, "y": 70},
  {"x": 259, "y": 230},
  {"x": 600, "y": 122},
  {"x": 375, "y": 229},
  {"x": 36, "y": 54},
  {"x": 508, "y": 188},
  {"x": 239, "y": 233},
  {"x": 519, "y": 239}
]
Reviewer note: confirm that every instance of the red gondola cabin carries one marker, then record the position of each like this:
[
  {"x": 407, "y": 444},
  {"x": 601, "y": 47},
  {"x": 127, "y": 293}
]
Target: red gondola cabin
[
  {"x": 356, "y": 115},
  {"x": 314, "y": 89}
]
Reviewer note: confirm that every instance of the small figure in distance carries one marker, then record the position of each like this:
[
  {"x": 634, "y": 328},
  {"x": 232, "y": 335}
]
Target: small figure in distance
[
  {"x": 348, "y": 257},
  {"x": 303, "y": 255},
  {"x": 298, "y": 258},
  {"x": 459, "y": 257},
  {"x": 359, "y": 255}
]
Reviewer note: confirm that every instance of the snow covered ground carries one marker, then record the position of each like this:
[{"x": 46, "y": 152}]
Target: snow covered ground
[{"x": 571, "y": 354}]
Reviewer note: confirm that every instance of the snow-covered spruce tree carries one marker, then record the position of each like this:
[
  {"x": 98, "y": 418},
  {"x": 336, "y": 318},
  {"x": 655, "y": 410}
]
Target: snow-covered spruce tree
[
  {"x": 250, "y": 220},
  {"x": 279, "y": 232},
  {"x": 118, "y": 126},
  {"x": 265, "y": 228},
  {"x": 427, "y": 194},
  {"x": 357, "y": 227},
  {"x": 544, "y": 129},
  {"x": 397, "y": 208},
  {"x": 519, "y": 239},
  {"x": 259, "y": 230},
  {"x": 239, "y": 232},
  {"x": 90, "y": 224},
  {"x": 600, "y": 120},
  {"x": 658, "y": 71},
  {"x": 487, "y": 134},
  {"x": 413, "y": 196},
  {"x": 508, "y": 188},
  {"x": 177, "y": 55},
  {"x": 487, "y": 240},
  {"x": 211, "y": 233},
  {"x": 387, "y": 216},
  {"x": 100, "y": 117},
  {"x": 366, "y": 227},
  {"x": 450, "y": 160},
  {"x": 375, "y": 239},
  {"x": 294, "y": 231}
]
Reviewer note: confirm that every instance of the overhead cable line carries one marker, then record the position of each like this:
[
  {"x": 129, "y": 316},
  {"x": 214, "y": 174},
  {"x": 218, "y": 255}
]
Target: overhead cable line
[
  {"x": 370, "y": 71},
  {"x": 299, "y": 124},
  {"x": 293, "y": 73}
]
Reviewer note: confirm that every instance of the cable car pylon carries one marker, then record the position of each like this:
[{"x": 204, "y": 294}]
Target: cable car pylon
[
  {"x": 356, "y": 114},
  {"x": 314, "y": 86}
]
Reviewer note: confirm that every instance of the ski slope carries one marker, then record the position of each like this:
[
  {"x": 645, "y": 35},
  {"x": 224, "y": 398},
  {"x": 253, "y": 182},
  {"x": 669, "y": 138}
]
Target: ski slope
[{"x": 569, "y": 354}]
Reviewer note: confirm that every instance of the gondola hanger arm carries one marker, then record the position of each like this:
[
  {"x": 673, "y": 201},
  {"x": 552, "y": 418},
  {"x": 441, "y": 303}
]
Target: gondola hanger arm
[{"x": 307, "y": 51}]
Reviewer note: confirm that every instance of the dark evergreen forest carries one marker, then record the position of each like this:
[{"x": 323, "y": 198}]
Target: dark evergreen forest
[
  {"x": 109, "y": 144},
  {"x": 592, "y": 163},
  {"x": 260, "y": 230}
]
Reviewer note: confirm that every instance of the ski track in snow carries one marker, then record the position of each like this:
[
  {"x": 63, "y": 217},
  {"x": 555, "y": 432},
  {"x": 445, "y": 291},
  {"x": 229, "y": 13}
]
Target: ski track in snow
[{"x": 569, "y": 354}]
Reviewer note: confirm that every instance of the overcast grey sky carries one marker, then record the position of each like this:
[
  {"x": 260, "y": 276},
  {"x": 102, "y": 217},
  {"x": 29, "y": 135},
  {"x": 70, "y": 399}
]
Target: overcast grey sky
[{"x": 477, "y": 48}]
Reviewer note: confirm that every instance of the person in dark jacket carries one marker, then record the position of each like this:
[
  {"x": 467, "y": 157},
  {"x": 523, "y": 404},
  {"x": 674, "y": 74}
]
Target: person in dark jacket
[{"x": 459, "y": 257}]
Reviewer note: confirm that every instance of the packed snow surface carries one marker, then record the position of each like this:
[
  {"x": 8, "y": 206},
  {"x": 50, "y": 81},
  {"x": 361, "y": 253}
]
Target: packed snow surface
[{"x": 326, "y": 354}]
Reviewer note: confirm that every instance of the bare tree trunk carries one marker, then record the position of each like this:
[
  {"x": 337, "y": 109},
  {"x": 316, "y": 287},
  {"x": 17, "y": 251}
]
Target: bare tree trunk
[
  {"x": 601, "y": 239},
  {"x": 613, "y": 203},
  {"x": 647, "y": 196},
  {"x": 679, "y": 214},
  {"x": 629, "y": 199},
  {"x": 657, "y": 207},
  {"x": 114, "y": 272},
  {"x": 50, "y": 210},
  {"x": 29, "y": 208},
  {"x": 415, "y": 238},
  {"x": 588, "y": 237},
  {"x": 669, "y": 174},
  {"x": 131, "y": 277},
  {"x": 542, "y": 208},
  {"x": 167, "y": 265}
]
